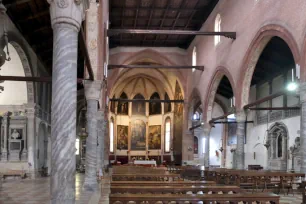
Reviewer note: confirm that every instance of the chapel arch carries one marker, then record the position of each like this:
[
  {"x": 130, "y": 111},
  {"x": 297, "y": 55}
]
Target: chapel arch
[
  {"x": 222, "y": 90},
  {"x": 19, "y": 65},
  {"x": 254, "y": 52}
]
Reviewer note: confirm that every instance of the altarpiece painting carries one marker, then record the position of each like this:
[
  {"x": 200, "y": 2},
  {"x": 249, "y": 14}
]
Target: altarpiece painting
[{"x": 155, "y": 137}]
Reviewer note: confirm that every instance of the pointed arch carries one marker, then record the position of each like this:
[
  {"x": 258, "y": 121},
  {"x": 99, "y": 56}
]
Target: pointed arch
[
  {"x": 155, "y": 107},
  {"x": 123, "y": 107}
]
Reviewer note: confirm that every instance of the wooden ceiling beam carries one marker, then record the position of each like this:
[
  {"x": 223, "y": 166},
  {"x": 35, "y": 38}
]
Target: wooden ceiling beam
[
  {"x": 149, "y": 19},
  {"x": 113, "y": 32},
  {"x": 111, "y": 66},
  {"x": 31, "y": 79},
  {"x": 16, "y": 2},
  {"x": 146, "y": 100}
]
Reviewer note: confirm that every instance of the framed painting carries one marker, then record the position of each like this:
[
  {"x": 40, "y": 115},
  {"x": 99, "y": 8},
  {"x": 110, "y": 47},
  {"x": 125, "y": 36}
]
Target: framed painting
[
  {"x": 155, "y": 137},
  {"x": 138, "y": 136},
  {"x": 122, "y": 137}
]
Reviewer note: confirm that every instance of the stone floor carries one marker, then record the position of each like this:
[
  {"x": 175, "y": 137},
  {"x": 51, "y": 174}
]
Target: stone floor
[{"x": 37, "y": 192}]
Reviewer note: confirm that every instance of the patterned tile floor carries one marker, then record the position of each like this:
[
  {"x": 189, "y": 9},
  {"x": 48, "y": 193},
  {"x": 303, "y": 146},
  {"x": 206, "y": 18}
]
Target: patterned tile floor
[{"x": 37, "y": 192}]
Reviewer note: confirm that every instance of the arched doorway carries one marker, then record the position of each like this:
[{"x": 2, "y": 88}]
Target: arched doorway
[{"x": 278, "y": 142}]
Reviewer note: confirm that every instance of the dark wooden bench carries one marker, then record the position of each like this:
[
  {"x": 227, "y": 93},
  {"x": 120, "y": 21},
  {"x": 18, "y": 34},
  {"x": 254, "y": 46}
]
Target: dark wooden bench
[
  {"x": 13, "y": 173},
  {"x": 162, "y": 183},
  {"x": 146, "y": 177},
  {"x": 255, "y": 167},
  {"x": 176, "y": 189},
  {"x": 193, "y": 199}
]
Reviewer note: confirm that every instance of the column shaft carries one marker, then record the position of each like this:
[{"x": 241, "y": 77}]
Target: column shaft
[
  {"x": 207, "y": 129},
  {"x": 303, "y": 126},
  {"x": 90, "y": 183},
  {"x": 100, "y": 151},
  {"x": 63, "y": 123},
  {"x": 240, "y": 117},
  {"x": 30, "y": 109}
]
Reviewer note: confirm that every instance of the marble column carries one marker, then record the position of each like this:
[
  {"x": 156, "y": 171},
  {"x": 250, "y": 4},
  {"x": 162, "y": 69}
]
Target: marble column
[
  {"x": 30, "y": 112},
  {"x": 101, "y": 135},
  {"x": 303, "y": 126},
  {"x": 240, "y": 118},
  {"x": 66, "y": 19},
  {"x": 4, "y": 149},
  {"x": 92, "y": 93},
  {"x": 207, "y": 128}
]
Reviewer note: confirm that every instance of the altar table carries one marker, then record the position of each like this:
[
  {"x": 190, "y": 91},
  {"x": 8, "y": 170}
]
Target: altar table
[{"x": 145, "y": 163}]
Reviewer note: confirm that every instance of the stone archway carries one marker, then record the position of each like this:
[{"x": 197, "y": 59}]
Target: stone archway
[
  {"x": 27, "y": 70},
  {"x": 211, "y": 94},
  {"x": 278, "y": 149},
  {"x": 255, "y": 49}
]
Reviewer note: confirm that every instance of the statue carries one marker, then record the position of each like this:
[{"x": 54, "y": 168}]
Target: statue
[{"x": 15, "y": 135}]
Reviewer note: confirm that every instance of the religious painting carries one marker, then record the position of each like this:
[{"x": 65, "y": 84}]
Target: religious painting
[
  {"x": 16, "y": 134},
  {"x": 155, "y": 137},
  {"x": 155, "y": 107},
  {"x": 139, "y": 108},
  {"x": 123, "y": 107},
  {"x": 122, "y": 137},
  {"x": 138, "y": 136}
]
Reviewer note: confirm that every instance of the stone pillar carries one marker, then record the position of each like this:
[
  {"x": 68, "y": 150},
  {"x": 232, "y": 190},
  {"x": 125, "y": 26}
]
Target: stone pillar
[
  {"x": 240, "y": 118},
  {"x": 207, "y": 128},
  {"x": 66, "y": 19},
  {"x": 30, "y": 111},
  {"x": 101, "y": 134},
  {"x": 4, "y": 149},
  {"x": 303, "y": 126},
  {"x": 187, "y": 137},
  {"x": 92, "y": 93}
]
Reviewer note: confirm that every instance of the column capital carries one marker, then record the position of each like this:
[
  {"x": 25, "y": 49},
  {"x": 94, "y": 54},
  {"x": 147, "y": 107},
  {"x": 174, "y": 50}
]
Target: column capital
[
  {"x": 93, "y": 90},
  {"x": 302, "y": 89},
  {"x": 240, "y": 116},
  {"x": 30, "y": 109},
  {"x": 69, "y": 12}
]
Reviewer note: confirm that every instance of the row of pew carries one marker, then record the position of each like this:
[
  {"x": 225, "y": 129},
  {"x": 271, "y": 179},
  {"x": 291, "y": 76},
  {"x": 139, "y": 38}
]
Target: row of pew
[{"x": 152, "y": 185}]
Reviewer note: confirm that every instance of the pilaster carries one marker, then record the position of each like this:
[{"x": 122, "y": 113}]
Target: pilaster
[
  {"x": 207, "y": 129},
  {"x": 31, "y": 147}
]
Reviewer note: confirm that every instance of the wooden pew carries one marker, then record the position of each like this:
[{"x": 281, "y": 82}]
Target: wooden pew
[
  {"x": 175, "y": 189},
  {"x": 13, "y": 173},
  {"x": 162, "y": 183},
  {"x": 193, "y": 199},
  {"x": 146, "y": 177}
]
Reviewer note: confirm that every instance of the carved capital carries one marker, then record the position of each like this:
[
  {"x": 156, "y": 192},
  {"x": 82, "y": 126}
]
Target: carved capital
[
  {"x": 30, "y": 110},
  {"x": 68, "y": 12},
  {"x": 240, "y": 116},
  {"x": 93, "y": 90},
  {"x": 302, "y": 88}
]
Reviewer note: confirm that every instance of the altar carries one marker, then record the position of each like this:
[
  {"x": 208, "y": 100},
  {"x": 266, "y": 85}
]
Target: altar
[{"x": 145, "y": 163}]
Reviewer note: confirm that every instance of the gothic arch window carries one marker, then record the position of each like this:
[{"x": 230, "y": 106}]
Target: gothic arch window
[
  {"x": 111, "y": 135},
  {"x": 217, "y": 29},
  {"x": 155, "y": 107},
  {"x": 196, "y": 145},
  {"x": 167, "y": 106},
  {"x": 123, "y": 107},
  {"x": 139, "y": 108},
  {"x": 167, "y": 135},
  {"x": 194, "y": 57}
]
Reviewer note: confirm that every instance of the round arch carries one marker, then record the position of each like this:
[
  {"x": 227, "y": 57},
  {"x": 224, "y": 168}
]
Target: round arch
[
  {"x": 253, "y": 53},
  {"x": 212, "y": 91}
]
